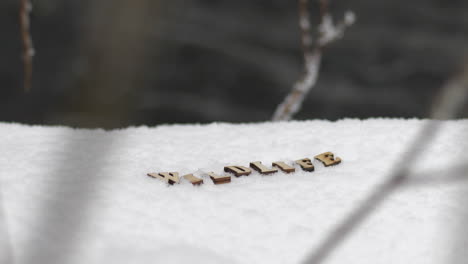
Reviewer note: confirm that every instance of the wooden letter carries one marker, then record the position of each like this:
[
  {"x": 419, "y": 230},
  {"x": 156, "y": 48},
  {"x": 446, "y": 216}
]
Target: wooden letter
[
  {"x": 306, "y": 164},
  {"x": 238, "y": 170},
  {"x": 328, "y": 159},
  {"x": 169, "y": 177},
  {"x": 192, "y": 179},
  {"x": 258, "y": 166},
  {"x": 219, "y": 179},
  {"x": 284, "y": 167}
]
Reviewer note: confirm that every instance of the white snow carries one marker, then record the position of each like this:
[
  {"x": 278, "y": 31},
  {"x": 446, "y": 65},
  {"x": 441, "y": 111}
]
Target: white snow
[
  {"x": 82, "y": 196},
  {"x": 349, "y": 18}
]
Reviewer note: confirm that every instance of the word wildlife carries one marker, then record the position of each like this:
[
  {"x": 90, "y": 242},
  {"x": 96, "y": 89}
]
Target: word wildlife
[{"x": 327, "y": 158}]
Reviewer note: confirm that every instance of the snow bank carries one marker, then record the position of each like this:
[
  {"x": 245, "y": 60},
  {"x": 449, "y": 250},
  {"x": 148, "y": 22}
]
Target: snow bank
[{"x": 82, "y": 196}]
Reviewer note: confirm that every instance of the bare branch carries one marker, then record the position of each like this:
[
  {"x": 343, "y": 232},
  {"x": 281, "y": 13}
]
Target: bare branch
[
  {"x": 453, "y": 97},
  {"x": 328, "y": 33},
  {"x": 395, "y": 180},
  {"x": 447, "y": 108},
  {"x": 28, "y": 49},
  {"x": 455, "y": 174}
]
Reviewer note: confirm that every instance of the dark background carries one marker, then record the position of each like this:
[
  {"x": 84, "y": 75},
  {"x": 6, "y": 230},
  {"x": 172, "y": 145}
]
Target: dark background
[{"x": 117, "y": 63}]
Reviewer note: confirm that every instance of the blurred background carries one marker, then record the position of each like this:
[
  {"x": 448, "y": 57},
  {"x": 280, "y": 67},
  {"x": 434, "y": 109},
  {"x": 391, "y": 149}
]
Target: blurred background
[{"x": 117, "y": 63}]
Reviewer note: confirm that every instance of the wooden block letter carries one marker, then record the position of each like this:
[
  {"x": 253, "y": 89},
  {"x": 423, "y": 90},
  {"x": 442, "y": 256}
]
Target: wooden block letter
[
  {"x": 169, "y": 177},
  {"x": 258, "y": 166},
  {"x": 192, "y": 179},
  {"x": 306, "y": 164},
  {"x": 328, "y": 159},
  {"x": 283, "y": 166},
  {"x": 238, "y": 170},
  {"x": 219, "y": 179}
]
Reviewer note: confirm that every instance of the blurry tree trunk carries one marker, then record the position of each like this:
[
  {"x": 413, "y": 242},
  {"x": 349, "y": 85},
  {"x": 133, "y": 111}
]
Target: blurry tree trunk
[
  {"x": 451, "y": 100},
  {"x": 114, "y": 46},
  {"x": 453, "y": 97}
]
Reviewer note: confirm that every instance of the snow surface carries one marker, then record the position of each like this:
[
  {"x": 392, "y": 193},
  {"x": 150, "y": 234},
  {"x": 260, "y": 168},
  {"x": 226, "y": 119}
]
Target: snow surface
[{"x": 82, "y": 196}]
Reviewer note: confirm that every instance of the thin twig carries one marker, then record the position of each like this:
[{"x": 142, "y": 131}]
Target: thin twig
[
  {"x": 328, "y": 32},
  {"x": 447, "y": 108},
  {"x": 28, "y": 49}
]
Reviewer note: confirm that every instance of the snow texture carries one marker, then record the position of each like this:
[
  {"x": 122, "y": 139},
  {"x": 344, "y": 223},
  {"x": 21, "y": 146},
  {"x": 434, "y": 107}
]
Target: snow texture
[{"x": 82, "y": 196}]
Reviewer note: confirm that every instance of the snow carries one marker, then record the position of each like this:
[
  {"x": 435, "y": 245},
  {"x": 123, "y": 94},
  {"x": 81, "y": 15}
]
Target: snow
[
  {"x": 349, "y": 18},
  {"x": 82, "y": 196}
]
